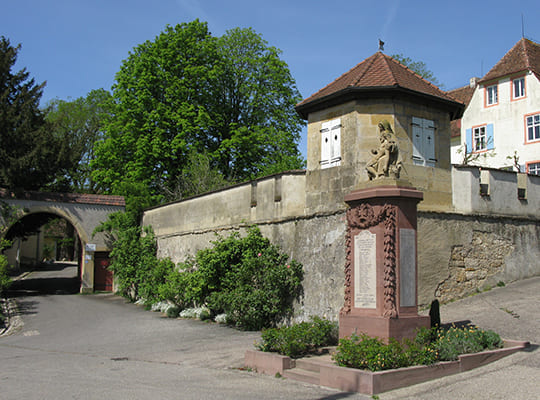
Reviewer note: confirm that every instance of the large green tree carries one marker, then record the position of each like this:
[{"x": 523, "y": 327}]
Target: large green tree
[
  {"x": 230, "y": 99},
  {"x": 29, "y": 154},
  {"x": 78, "y": 124},
  {"x": 254, "y": 127}
]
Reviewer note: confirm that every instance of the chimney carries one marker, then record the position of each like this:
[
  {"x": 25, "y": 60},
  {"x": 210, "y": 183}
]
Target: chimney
[{"x": 473, "y": 82}]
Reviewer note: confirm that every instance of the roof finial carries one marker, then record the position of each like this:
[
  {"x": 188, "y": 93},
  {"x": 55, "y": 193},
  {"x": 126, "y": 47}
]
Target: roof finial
[{"x": 381, "y": 45}]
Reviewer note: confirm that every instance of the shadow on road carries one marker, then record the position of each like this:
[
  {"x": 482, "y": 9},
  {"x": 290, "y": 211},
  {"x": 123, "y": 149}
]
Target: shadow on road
[{"x": 47, "y": 279}]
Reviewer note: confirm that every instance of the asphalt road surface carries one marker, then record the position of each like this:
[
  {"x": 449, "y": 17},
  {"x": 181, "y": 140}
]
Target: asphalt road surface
[
  {"x": 65, "y": 345},
  {"x": 70, "y": 346}
]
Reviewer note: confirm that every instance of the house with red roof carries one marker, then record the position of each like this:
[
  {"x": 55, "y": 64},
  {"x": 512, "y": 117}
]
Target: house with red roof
[{"x": 500, "y": 127}]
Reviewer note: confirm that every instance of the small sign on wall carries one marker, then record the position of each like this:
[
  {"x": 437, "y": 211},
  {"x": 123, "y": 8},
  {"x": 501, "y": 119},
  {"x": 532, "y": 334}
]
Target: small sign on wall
[{"x": 90, "y": 247}]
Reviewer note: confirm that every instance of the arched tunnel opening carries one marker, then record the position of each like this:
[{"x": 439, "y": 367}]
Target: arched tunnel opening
[{"x": 46, "y": 243}]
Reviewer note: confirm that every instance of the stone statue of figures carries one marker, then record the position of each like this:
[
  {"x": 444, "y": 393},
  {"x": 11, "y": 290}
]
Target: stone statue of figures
[{"x": 385, "y": 161}]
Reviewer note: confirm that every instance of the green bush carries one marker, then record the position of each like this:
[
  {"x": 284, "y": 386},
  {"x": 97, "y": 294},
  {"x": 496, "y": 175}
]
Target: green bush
[
  {"x": 365, "y": 352},
  {"x": 247, "y": 278},
  {"x": 299, "y": 339},
  {"x": 429, "y": 346},
  {"x": 5, "y": 279},
  {"x": 454, "y": 341},
  {"x": 173, "y": 312}
]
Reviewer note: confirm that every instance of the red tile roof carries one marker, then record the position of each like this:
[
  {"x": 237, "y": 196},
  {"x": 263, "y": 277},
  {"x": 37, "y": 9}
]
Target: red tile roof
[
  {"x": 524, "y": 56},
  {"x": 462, "y": 94},
  {"x": 82, "y": 198},
  {"x": 375, "y": 74}
]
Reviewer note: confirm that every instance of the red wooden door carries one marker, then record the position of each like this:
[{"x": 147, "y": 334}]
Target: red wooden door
[{"x": 103, "y": 277}]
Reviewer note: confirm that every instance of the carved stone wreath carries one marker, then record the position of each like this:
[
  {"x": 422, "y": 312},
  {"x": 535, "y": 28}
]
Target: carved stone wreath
[{"x": 364, "y": 216}]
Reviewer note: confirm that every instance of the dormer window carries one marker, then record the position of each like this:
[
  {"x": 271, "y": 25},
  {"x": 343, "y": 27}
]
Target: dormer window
[
  {"x": 518, "y": 88},
  {"x": 492, "y": 95},
  {"x": 331, "y": 143}
]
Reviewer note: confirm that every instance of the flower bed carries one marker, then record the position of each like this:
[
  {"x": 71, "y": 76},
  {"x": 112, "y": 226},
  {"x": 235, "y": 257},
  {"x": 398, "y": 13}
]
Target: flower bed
[{"x": 368, "y": 382}]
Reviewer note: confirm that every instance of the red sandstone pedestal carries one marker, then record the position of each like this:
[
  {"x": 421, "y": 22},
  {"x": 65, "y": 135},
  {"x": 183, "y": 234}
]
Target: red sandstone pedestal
[{"x": 381, "y": 264}]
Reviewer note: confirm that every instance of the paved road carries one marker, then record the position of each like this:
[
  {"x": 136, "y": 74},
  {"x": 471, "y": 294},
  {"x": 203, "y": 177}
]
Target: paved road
[
  {"x": 98, "y": 346},
  {"x": 75, "y": 346}
]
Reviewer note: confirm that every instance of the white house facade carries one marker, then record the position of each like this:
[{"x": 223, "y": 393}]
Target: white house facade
[{"x": 500, "y": 127}]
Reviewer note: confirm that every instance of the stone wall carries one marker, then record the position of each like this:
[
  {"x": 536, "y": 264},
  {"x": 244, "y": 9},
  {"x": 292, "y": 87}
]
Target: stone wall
[
  {"x": 459, "y": 255},
  {"x": 459, "y": 252},
  {"x": 318, "y": 242},
  {"x": 272, "y": 198}
]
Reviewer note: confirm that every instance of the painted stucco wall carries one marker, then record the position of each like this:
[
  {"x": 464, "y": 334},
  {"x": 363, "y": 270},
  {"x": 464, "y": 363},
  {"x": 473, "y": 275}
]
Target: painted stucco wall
[{"x": 501, "y": 196}]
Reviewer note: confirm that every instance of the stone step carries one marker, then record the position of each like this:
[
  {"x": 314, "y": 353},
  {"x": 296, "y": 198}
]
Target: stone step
[
  {"x": 302, "y": 375},
  {"x": 308, "y": 364}
]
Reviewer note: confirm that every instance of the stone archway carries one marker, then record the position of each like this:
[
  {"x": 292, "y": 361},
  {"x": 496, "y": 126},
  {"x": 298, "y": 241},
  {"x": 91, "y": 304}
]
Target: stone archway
[{"x": 84, "y": 212}]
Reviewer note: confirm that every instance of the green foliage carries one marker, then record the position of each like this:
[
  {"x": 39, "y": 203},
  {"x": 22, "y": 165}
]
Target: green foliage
[
  {"x": 79, "y": 125},
  {"x": 455, "y": 341},
  {"x": 230, "y": 98},
  {"x": 299, "y": 339},
  {"x": 200, "y": 177},
  {"x": 5, "y": 279},
  {"x": 429, "y": 346},
  {"x": 247, "y": 278},
  {"x": 173, "y": 312},
  {"x": 419, "y": 67},
  {"x": 365, "y": 352},
  {"x": 137, "y": 270},
  {"x": 30, "y": 156}
]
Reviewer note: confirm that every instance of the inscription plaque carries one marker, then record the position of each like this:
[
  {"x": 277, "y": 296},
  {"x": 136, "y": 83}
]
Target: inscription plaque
[
  {"x": 407, "y": 262},
  {"x": 365, "y": 270}
]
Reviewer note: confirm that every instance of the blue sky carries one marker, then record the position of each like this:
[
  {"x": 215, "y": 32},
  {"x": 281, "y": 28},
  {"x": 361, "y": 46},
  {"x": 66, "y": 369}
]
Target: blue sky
[{"x": 77, "y": 46}]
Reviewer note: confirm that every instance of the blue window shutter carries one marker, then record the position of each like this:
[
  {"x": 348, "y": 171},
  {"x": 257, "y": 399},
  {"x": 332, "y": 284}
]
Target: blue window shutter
[
  {"x": 489, "y": 137},
  {"x": 468, "y": 140}
]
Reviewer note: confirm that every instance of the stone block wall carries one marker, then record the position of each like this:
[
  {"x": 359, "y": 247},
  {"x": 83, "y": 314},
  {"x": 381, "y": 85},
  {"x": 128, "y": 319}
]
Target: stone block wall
[
  {"x": 459, "y": 252},
  {"x": 459, "y": 255}
]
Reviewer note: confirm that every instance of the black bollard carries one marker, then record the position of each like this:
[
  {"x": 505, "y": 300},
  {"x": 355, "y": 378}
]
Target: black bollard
[{"x": 434, "y": 314}]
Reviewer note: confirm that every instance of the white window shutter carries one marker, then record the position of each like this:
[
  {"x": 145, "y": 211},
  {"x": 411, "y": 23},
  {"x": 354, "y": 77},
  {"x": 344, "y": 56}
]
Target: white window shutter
[
  {"x": 326, "y": 149},
  {"x": 335, "y": 137},
  {"x": 331, "y": 143}
]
